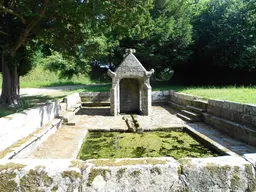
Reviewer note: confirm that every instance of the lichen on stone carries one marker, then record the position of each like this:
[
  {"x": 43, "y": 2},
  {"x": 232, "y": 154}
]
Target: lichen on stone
[
  {"x": 156, "y": 170},
  {"x": 72, "y": 175},
  {"x": 12, "y": 166},
  {"x": 7, "y": 183},
  {"x": 55, "y": 189},
  {"x": 34, "y": 180},
  {"x": 120, "y": 173},
  {"x": 123, "y": 162},
  {"x": 135, "y": 173},
  {"x": 95, "y": 172}
]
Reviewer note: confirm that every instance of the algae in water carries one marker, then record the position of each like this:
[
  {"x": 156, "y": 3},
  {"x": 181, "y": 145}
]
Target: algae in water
[{"x": 149, "y": 144}]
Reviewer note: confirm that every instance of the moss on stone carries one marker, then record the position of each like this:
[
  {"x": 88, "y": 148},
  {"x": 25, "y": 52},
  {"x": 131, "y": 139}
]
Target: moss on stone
[
  {"x": 7, "y": 183},
  {"x": 72, "y": 175},
  {"x": 95, "y": 172},
  {"x": 34, "y": 180},
  {"x": 250, "y": 174},
  {"x": 55, "y": 189},
  {"x": 12, "y": 166},
  {"x": 185, "y": 162},
  {"x": 135, "y": 173},
  {"x": 122, "y": 162},
  {"x": 156, "y": 170},
  {"x": 78, "y": 164},
  {"x": 120, "y": 173},
  {"x": 235, "y": 180},
  {"x": 179, "y": 170}
]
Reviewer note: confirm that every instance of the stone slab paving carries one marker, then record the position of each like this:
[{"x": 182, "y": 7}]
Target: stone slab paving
[
  {"x": 100, "y": 119},
  {"x": 64, "y": 144},
  {"x": 223, "y": 139}
]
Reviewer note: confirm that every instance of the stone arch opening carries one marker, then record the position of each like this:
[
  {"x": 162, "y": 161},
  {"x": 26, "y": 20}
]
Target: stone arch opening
[{"x": 129, "y": 96}]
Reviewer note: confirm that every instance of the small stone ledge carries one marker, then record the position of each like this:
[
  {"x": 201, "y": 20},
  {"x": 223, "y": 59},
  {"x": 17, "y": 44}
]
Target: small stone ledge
[
  {"x": 143, "y": 174},
  {"x": 218, "y": 174}
]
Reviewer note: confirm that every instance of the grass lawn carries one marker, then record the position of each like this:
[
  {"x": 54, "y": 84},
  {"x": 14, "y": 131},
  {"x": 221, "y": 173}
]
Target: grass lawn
[{"x": 38, "y": 77}]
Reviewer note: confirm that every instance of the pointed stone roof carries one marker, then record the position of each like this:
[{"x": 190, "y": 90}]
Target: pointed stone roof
[{"x": 130, "y": 66}]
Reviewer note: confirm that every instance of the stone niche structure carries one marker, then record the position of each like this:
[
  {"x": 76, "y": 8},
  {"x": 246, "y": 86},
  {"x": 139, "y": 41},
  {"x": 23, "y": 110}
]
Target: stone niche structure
[{"x": 131, "y": 90}]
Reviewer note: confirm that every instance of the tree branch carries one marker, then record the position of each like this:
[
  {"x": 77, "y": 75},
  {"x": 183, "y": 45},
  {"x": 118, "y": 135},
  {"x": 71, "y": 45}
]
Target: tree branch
[
  {"x": 7, "y": 10},
  {"x": 30, "y": 26},
  {"x": 4, "y": 33}
]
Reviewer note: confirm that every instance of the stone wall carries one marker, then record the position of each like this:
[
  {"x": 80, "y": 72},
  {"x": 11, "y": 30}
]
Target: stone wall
[
  {"x": 101, "y": 97},
  {"x": 236, "y": 112},
  {"x": 144, "y": 174},
  {"x": 19, "y": 125}
]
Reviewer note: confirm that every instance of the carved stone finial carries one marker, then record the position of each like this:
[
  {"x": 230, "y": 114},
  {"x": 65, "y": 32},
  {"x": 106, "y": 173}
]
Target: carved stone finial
[{"x": 128, "y": 51}]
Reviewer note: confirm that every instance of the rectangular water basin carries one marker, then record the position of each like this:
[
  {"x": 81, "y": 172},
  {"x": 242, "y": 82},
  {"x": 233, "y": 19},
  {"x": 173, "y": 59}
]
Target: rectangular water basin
[{"x": 176, "y": 144}]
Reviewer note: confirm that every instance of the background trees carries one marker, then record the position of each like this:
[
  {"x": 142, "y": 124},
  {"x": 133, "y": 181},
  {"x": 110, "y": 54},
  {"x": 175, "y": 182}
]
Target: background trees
[
  {"x": 224, "y": 36},
  {"x": 78, "y": 30},
  {"x": 203, "y": 41}
]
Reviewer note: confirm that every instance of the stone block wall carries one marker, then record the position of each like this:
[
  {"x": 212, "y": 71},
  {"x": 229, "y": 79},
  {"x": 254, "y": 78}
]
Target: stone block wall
[
  {"x": 19, "y": 125},
  {"x": 96, "y": 97},
  {"x": 237, "y": 112},
  {"x": 232, "y": 111},
  {"x": 114, "y": 175},
  {"x": 99, "y": 97}
]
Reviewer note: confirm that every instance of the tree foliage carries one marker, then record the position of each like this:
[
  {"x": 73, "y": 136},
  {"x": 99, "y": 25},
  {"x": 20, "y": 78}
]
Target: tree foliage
[
  {"x": 74, "y": 28},
  {"x": 168, "y": 39},
  {"x": 225, "y": 34}
]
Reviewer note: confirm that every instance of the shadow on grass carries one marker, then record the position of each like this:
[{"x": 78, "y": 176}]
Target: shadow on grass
[
  {"x": 96, "y": 88},
  {"x": 166, "y": 85},
  {"x": 66, "y": 83},
  {"x": 28, "y": 102}
]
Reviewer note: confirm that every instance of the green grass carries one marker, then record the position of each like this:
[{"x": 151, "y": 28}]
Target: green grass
[
  {"x": 235, "y": 94},
  {"x": 38, "y": 77}
]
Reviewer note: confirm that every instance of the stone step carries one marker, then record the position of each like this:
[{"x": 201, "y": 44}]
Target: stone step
[
  {"x": 194, "y": 109},
  {"x": 239, "y": 131},
  {"x": 199, "y": 103},
  {"x": 95, "y": 104},
  {"x": 185, "y": 118},
  {"x": 176, "y": 106},
  {"x": 192, "y": 115}
]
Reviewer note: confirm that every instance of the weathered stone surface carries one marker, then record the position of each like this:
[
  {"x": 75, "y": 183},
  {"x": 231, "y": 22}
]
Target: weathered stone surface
[
  {"x": 251, "y": 158},
  {"x": 218, "y": 174},
  {"x": 216, "y": 103},
  {"x": 160, "y": 96},
  {"x": 238, "y": 131},
  {"x": 72, "y": 100},
  {"x": 142, "y": 174},
  {"x": 128, "y": 72},
  {"x": 20, "y": 125}
]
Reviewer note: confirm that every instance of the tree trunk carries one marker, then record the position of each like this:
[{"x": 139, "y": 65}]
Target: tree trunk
[{"x": 10, "y": 85}]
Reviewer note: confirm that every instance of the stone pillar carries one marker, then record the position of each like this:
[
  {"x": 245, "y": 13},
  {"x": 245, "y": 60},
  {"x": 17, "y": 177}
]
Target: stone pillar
[{"x": 146, "y": 99}]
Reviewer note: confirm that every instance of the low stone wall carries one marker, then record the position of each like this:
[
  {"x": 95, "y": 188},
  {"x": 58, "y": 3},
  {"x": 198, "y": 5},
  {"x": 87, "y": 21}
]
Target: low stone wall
[
  {"x": 237, "y": 112},
  {"x": 101, "y": 97},
  {"x": 145, "y": 174},
  {"x": 19, "y": 125}
]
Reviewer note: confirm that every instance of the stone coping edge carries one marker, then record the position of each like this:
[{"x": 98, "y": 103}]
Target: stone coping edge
[{"x": 224, "y": 173}]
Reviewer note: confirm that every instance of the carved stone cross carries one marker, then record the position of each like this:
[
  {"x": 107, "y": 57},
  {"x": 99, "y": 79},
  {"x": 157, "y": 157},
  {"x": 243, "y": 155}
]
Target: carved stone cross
[{"x": 128, "y": 51}]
